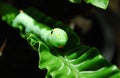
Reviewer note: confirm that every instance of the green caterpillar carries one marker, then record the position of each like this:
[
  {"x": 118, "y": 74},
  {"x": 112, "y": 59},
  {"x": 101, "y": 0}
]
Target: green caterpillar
[{"x": 53, "y": 37}]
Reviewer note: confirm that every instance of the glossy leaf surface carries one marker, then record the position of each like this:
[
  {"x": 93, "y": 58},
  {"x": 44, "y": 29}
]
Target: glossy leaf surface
[
  {"x": 73, "y": 60},
  {"x": 98, "y": 3}
]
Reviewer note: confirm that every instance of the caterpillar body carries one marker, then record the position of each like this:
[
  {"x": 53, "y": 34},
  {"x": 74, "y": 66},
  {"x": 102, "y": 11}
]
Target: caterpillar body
[{"x": 56, "y": 37}]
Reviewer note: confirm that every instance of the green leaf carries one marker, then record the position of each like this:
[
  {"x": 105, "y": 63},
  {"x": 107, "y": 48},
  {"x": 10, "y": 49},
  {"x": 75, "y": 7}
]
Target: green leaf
[
  {"x": 84, "y": 62},
  {"x": 103, "y": 4},
  {"x": 98, "y": 3},
  {"x": 75, "y": 1},
  {"x": 72, "y": 61}
]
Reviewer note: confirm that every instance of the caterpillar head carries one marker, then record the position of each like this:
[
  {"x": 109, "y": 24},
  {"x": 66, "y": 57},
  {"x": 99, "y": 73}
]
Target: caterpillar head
[{"x": 57, "y": 37}]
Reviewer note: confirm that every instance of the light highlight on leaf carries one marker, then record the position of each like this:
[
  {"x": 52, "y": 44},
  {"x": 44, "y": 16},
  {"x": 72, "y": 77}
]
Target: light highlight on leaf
[
  {"x": 98, "y": 3},
  {"x": 72, "y": 61}
]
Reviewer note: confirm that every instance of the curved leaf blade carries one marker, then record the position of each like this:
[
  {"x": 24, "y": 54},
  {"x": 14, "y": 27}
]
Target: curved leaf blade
[
  {"x": 88, "y": 64},
  {"x": 75, "y": 1},
  {"x": 99, "y": 3},
  {"x": 74, "y": 61}
]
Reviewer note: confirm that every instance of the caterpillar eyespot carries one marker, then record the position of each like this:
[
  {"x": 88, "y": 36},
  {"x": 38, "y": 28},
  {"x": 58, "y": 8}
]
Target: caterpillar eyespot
[
  {"x": 51, "y": 32},
  {"x": 56, "y": 37}
]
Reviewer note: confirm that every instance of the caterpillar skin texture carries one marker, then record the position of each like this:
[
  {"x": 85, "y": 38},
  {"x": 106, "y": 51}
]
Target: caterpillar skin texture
[{"x": 53, "y": 37}]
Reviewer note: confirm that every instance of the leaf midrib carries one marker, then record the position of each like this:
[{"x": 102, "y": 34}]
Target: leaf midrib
[{"x": 70, "y": 66}]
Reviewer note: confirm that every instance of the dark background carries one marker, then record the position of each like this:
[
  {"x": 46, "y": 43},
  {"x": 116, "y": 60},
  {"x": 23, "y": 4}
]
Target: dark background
[{"x": 19, "y": 60}]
